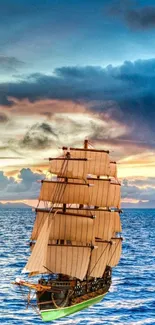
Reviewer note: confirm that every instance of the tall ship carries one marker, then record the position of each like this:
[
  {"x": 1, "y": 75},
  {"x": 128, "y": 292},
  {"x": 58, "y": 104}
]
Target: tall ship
[{"x": 76, "y": 238}]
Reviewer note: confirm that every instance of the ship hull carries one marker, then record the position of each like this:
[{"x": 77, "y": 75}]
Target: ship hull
[{"x": 52, "y": 314}]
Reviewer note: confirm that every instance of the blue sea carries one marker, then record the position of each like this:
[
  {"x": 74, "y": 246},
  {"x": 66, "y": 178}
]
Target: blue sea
[{"x": 131, "y": 299}]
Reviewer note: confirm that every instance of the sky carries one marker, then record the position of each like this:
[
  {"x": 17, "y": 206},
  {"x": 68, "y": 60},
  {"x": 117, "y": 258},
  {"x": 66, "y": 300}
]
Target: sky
[{"x": 71, "y": 70}]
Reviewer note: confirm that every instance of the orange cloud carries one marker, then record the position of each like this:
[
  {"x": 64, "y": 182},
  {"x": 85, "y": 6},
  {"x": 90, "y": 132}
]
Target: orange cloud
[{"x": 44, "y": 106}]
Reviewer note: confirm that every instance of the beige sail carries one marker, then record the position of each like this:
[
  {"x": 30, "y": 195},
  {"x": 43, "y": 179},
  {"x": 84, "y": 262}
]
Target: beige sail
[
  {"x": 114, "y": 195},
  {"x": 65, "y": 226},
  {"x": 68, "y": 260},
  {"x": 38, "y": 224},
  {"x": 72, "y": 261},
  {"x": 97, "y": 163},
  {"x": 81, "y": 168},
  {"x": 99, "y": 259},
  {"x": 38, "y": 257},
  {"x": 115, "y": 252},
  {"x": 103, "y": 193},
  {"x": 64, "y": 237},
  {"x": 117, "y": 226},
  {"x": 113, "y": 169},
  {"x": 69, "y": 168},
  {"x": 106, "y": 224},
  {"x": 64, "y": 192}
]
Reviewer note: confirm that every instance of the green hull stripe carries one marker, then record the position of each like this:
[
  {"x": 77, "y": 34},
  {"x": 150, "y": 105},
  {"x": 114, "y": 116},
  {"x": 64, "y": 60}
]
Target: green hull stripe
[{"x": 51, "y": 314}]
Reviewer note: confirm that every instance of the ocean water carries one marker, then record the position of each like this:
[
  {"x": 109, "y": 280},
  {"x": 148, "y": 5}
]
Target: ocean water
[{"x": 131, "y": 299}]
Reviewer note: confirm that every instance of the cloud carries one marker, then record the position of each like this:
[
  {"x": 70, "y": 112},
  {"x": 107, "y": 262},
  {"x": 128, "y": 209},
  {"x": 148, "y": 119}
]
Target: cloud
[
  {"x": 130, "y": 81},
  {"x": 3, "y": 118},
  {"x": 143, "y": 182},
  {"x": 82, "y": 84},
  {"x": 141, "y": 18},
  {"x": 93, "y": 83},
  {"x": 39, "y": 136},
  {"x": 34, "y": 140},
  {"x": 137, "y": 17},
  {"x": 9, "y": 64},
  {"x": 113, "y": 106},
  {"x": 4, "y": 181},
  {"x": 139, "y": 189},
  {"x": 68, "y": 128},
  {"x": 46, "y": 107},
  {"x": 47, "y": 128},
  {"x": 26, "y": 188},
  {"x": 125, "y": 93}
]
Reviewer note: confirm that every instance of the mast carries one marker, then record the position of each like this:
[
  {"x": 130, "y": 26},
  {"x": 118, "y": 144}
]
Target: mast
[
  {"x": 86, "y": 144},
  {"x": 85, "y": 147}
]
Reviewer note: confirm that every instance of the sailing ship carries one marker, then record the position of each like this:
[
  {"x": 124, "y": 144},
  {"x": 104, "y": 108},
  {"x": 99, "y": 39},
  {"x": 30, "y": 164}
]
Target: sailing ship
[{"x": 76, "y": 238}]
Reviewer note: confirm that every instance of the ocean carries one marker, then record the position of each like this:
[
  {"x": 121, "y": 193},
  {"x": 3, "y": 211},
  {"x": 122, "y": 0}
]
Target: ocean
[{"x": 131, "y": 299}]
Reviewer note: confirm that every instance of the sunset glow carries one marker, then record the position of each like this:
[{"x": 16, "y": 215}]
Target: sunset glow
[{"x": 65, "y": 77}]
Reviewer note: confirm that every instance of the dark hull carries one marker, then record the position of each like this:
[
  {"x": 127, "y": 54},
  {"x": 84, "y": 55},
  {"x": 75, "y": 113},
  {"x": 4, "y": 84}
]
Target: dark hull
[
  {"x": 68, "y": 297},
  {"x": 52, "y": 314}
]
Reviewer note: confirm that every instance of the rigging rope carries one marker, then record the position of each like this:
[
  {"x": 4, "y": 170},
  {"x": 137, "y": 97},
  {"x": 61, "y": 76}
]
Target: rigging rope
[
  {"x": 28, "y": 298},
  {"x": 98, "y": 259},
  {"x": 55, "y": 194},
  {"x": 59, "y": 191},
  {"x": 63, "y": 304},
  {"x": 114, "y": 251}
]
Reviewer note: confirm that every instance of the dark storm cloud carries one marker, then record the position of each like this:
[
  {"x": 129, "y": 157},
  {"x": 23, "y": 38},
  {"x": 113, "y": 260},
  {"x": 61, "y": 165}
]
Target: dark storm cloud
[
  {"x": 47, "y": 128},
  {"x": 89, "y": 83},
  {"x": 131, "y": 80},
  {"x": 39, "y": 136},
  {"x": 32, "y": 141},
  {"x": 9, "y": 64},
  {"x": 141, "y": 18},
  {"x": 136, "y": 15},
  {"x": 129, "y": 88}
]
